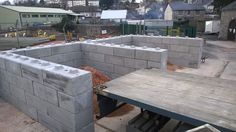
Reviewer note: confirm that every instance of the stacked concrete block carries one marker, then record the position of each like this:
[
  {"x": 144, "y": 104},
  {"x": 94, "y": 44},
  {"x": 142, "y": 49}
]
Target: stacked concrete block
[
  {"x": 59, "y": 97},
  {"x": 66, "y": 54},
  {"x": 117, "y": 60},
  {"x": 182, "y": 51}
]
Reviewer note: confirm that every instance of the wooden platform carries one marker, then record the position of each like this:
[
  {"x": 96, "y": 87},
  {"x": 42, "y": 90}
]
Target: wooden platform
[{"x": 189, "y": 98}]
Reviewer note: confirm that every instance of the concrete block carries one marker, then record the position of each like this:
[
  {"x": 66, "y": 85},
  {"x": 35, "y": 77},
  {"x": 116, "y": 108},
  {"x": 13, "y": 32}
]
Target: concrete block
[
  {"x": 100, "y": 66},
  {"x": 197, "y": 42},
  {"x": 38, "y": 52},
  {"x": 114, "y": 59},
  {"x": 25, "y": 84},
  {"x": 65, "y": 48},
  {"x": 179, "y": 62},
  {"x": 67, "y": 79},
  {"x": 27, "y": 109},
  {"x": 124, "y": 51},
  {"x": 18, "y": 93},
  {"x": 195, "y": 50},
  {"x": 55, "y": 58},
  {"x": 116, "y": 40},
  {"x": 72, "y": 56},
  {"x": 13, "y": 67},
  {"x": 76, "y": 104},
  {"x": 90, "y": 47},
  {"x": 77, "y": 63},
  {"x": 74, "y": 121},
  {"x": 139, "y": 38},
  {"x": 126, "y": 39},
  {"x": 95, "y": 56},
  {"x": 148, "y": 54},
  {"x": 36, "y": 102},
  {"x": 179, "y": 48},
  {"x": 156, "y": 40},
  {"x": 166, "y": 40},
  {"x": 122, "y": 70},
  {"x": 11, "y": 78},
  {"x": 5, "y": 87},
  {"x": 164, "y": 59},
  {"x": 175, "y": 41},
  {"x": 19, "y": 52},
  {"x": 178, "y": 55},
  {"x": 104, "y": 49},
  {"x": 32, "y": 71},
  {"x": 52, "y": 124},
  {"x": 68, "y": 63},
  {"x": 153, "y": 64},
  {"x": 135, "y": 63},
  {"x": 45, "y": 93}
]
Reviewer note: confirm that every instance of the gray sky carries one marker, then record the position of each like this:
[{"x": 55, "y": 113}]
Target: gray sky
[{"x": 13, "y": 0}]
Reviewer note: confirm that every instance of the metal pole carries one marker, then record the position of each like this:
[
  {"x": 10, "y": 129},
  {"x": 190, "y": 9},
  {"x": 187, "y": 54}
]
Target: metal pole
[
  {"x": 17, "y": 36},
  {"x": 64, "y": 32}
]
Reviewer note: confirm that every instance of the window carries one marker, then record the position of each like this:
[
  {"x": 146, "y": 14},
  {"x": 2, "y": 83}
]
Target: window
[
  {"x": 188, "y": 12},
  {"x": 43, "y": 15},
  {"x": 25, "y": 15},
  {"x": 197, "y": 12},
  {"x": 50, "y": 15},
  {"x": 181, "y": 12},
  {"x": 34, "y": 16}
]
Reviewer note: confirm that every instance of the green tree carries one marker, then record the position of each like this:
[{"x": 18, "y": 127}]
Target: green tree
[
  {"x": 106, "y": 4},
  {"x": 219, "y": 4},
  {"x": 66, "y": 24}
]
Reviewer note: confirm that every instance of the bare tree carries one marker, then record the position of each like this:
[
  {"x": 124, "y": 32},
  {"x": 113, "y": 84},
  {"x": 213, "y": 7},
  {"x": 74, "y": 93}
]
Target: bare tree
[{"x": 86, "y": 2}]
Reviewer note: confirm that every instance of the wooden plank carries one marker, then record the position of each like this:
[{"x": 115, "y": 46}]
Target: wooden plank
[{"x": 181, "y": 96}]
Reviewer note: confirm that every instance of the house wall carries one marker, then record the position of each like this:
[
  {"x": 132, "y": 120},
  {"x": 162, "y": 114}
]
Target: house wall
[
  {"x": 182, "y": 51},
  {"x": 168, "y": 15},
  {"x": 192, "y": 15},
  {"x": 8, "y": 18},
  {"x": 226, "y": 17}
]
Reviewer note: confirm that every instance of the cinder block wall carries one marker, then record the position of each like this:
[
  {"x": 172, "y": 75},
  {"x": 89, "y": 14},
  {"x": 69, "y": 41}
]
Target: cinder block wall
[
  {"x": 66, "y": 54},
  {"x": 59, "y": 97},
  {"x": 37, "y": 81},
  {"x": 182, "y": 51},
  {"x": 117, "y": 60}
]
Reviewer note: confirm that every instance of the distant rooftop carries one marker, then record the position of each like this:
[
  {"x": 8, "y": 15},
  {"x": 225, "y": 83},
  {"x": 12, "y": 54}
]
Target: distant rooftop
[
  {"x": 230, "y": 7},
  {"x": 114, "y": 14},
  {"x": 182, "y": 6},
  {"x": 203, "y": 2},
  {"x": 25, "y": 9}
]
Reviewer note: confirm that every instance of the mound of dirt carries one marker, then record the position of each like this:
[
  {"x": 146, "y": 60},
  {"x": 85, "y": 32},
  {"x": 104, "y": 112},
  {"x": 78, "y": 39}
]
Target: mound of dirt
[
  {"x": 172, "y": 67},
  {"x": 98, "y": 77}
]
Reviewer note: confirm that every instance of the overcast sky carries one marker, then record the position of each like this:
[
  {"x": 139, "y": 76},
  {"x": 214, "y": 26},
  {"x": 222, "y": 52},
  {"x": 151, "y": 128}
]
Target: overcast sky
[{"x": 13, "y": 0}]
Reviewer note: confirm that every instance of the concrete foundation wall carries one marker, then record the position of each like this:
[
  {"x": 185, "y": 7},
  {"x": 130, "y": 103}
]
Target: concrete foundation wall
[
  {"x": 185, "y": 52},
  {"x": 37, "y": 81}
]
